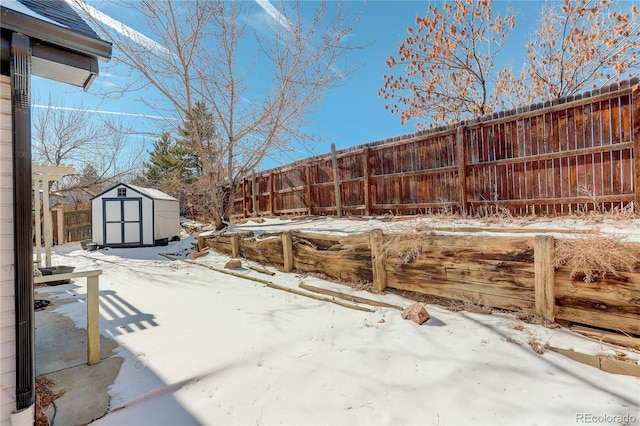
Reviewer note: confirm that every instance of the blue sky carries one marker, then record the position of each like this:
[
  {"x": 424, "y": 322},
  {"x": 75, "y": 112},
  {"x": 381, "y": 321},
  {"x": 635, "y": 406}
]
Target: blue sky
[{"x": 352, "y": 114}]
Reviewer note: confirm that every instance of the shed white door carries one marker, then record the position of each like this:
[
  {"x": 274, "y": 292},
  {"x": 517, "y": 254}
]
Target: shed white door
[{"x": 122, "y": 219}]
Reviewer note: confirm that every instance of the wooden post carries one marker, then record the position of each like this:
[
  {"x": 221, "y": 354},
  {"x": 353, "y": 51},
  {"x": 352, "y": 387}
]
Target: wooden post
[
  {"x": 93, "y": 321},
  {"x": 461, "y": 149},
  {"x": 367, "y": 182},
  {"x": 287, "y": 251},
  {"x": 47, "y": 225},
  {"x": 377, "y": 259},
  {"x": 244, "y": 198},
  {"x": 307, "y": 198},
  {"x": 336, "y": 180},
  {"x": 60, "y": 224},
  {"x": 271, "y": 198},
  {"x": 38, "y": 223},
  {"x": 543, "y": 254},
  {"x": 635, "y": 102},
  {"x": 235, "y": 246},
  {"x": 42, "y": 175},
  {"x": 254, "y": 187}
]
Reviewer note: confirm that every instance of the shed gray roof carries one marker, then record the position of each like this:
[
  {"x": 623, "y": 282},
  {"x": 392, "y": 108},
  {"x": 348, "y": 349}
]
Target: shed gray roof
[{"x": 153, "y": 193}]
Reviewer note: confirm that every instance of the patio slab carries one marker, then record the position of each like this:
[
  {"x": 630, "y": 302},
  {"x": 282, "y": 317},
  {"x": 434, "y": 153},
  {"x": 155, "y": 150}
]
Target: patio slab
[{"x": 61, "y": 356}]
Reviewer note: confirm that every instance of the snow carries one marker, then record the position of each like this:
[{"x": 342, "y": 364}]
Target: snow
[{"x": 202, "y": 347}]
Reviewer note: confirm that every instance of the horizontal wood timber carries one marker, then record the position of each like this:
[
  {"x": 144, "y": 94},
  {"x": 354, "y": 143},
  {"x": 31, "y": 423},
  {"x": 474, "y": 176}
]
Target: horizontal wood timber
[
  {"x": 553, "y": 155},
  {"x": 508, "y": 272}
]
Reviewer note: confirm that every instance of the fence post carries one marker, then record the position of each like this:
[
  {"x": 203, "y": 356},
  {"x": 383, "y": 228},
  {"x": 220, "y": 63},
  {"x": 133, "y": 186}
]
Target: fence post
[
  {"x": 93, "y": 321},
  {"x": 59, "y": 211},
  {"x": 244, "y": 197},
  {"x": 377, "y": 260},
  {"x": 307, "y": 192},
  {"x": 271, "y": 197},
  {"x": 635, "y": 102},
  {"x": 461, "y": 148},
  {"x": 367, "y": 182},
  {"x": 543, "y": 255},
  {"x": 254, "y": 197},
  {"x": 287, "y": 251},
  {"x": 235, "y": 246},
  {"x": 336, "y": 180}
]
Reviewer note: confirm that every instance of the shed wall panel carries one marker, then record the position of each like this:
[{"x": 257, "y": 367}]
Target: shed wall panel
[
  {"x": 166, "y": 219},
  {"x": 147, "y": 221},
  {"x": 97, "y": 232}
]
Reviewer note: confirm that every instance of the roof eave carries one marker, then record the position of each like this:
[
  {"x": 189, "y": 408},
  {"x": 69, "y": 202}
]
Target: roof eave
[{"x": 55, "y": 34}]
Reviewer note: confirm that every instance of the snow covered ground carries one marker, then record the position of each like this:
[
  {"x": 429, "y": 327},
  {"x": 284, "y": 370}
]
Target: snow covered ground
[{"x": 201, "y": 347}]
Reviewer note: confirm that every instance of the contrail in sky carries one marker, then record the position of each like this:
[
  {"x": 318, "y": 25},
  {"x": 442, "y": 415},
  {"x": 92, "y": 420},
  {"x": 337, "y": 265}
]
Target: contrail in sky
[
  {"x": 121, "y": 28},
  {"x": 129, "y": 114},
  {"x": 275, "y": 14},
  {"x": 286, "y": 24}
]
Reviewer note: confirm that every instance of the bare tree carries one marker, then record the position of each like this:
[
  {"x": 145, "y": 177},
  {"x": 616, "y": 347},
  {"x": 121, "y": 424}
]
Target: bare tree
[
  {"x": 447, "y": 63},
  {"x": 74, "y": 136},
  {"x": 579, "y": 44},
  {"x": 260, "y": 86}
]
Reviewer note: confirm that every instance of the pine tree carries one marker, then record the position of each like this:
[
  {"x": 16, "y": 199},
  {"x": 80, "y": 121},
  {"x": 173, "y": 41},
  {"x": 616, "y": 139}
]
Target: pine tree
[
  {"x": 194, "y": 149},
  {"x": 186, "y": 143},
  {"x": 165, "y": 167}
]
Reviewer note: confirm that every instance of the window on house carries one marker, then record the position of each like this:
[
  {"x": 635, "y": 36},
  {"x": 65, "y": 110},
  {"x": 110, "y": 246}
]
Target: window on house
[{"x": 122, "y": 192}]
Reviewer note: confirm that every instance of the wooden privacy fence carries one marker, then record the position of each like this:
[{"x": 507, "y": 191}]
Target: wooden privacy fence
[
  {"x": 70, "y": 224},
  {"x": 515, "y": 273},
  {"x": 552, "y": 158}
]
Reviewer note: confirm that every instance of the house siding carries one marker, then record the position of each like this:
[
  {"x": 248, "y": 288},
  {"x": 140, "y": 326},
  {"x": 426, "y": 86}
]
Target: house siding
[{"x": 7, "y": 274}]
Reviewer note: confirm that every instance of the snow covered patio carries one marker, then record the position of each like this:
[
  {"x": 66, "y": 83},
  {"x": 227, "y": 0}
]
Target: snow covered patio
[{"x": 201, "y": 347}]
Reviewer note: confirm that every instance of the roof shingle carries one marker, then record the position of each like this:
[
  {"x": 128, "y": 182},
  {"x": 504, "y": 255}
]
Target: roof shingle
[{"x": 60, "y": 11}]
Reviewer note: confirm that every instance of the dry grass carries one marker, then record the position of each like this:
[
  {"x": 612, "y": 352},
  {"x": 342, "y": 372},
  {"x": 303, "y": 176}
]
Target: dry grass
[
  {"x": 595, "y": 211},
  {"x": 407, "y": 241},
  {"x": 354, "y": 284},
  {"x": 596, "y": 255},
  {"x": 465, "y": 304},
  {"x": 530, "y": 318},
  {"x": 411, "y": 254},
  {"x": 494, "y": 214},
  {"x": 624, "y": 213},
  {"x": 535, "y": 344},
  {"x": 468, "y": 305}
]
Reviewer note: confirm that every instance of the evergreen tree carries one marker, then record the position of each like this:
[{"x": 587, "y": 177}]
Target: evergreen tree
[
  {"x": 194, "y": 149},
  {"x": 166, "y": 167},
  {"x": 167, "y": 170},
  {"x": 175, "y": 165},
  {"x": 191, "y": 147}
]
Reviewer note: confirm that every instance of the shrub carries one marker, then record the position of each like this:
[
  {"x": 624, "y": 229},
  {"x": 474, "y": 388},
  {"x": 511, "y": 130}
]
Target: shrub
[{"x": 596, "y": 255}]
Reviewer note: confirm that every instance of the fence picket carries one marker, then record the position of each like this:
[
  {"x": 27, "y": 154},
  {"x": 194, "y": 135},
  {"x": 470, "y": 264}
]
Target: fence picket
[{"x": 548, "y": 158}]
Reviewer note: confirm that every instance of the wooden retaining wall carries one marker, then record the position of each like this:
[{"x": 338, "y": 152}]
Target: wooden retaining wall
[
  {"x": 515, "y": 273},
  {"x": 572, "y": 154}
]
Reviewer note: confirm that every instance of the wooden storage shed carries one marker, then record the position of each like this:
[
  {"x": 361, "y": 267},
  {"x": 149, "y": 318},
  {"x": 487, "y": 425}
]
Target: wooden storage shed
[{"x": 132, "y": 216}]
